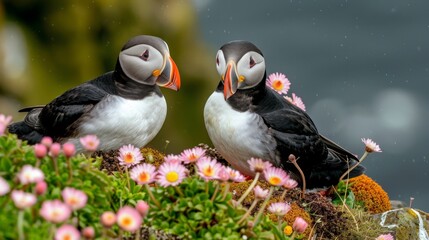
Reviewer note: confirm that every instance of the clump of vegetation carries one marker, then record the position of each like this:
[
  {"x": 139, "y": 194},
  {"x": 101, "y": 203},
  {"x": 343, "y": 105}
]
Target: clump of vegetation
[
  {"x": 46, "y": 190},
  {"x": 370, "y": 194}
]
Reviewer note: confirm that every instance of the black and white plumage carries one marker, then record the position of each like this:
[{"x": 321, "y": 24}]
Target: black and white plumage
[
  {"x": 246, "y": 119},
  {"x": 124, "y": 106}
]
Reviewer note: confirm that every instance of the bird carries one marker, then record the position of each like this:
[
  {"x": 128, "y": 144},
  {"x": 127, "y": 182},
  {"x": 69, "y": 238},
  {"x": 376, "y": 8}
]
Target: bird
[
  {"x": 246, "y": 119},
  {"x": 123, "y": 106}
]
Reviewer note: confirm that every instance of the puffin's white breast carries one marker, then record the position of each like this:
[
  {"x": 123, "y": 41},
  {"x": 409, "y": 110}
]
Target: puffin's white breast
[
  {"x": 118, "y": 121},
  {"x": 237, "y": 136}
]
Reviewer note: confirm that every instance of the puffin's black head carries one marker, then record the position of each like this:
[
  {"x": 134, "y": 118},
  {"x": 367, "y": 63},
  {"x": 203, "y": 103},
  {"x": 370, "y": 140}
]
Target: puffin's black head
[
  {"x": 146, "y": 59},
  {"x": 241, "y": 65}
]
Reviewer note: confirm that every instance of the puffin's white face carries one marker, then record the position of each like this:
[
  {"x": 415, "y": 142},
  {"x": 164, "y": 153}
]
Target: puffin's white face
[
  {"x": 246, "y": 73},
  {"x": 142, "y": 63}
]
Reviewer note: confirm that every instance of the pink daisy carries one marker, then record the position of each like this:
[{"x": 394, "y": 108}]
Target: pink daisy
[
  {"x": 172, "y": 158},
  {"x": 108, "y": 218},
  {"x": 260, "y": 193},
  {"x": 22, "y": 199},
  {"x": 275, "y": 176},
  {"x": 371, "y": 146},
  {"x": 235, "y": 175},
  {"x": 208, "y": 169},
  {"x": 279, "y": 208},
  {"x": 4, "y": 121},
  {"x": 290, "y": 183},
  {"x": 295, "y": 100},
  {"x": 278, "y": 82},
  {"x": 258, "y": 165},
  {"x": 55, "y": 211},
  {"x": 129, "y": 155},
  {"x": 385, "y": 237},
  {"x": 143, "y": 173},
  {"x": 171, "y": 174},
  {"x": 299, "y": 225},
  {"x": 30, "y": 174},
  {"x": 223, "y": 175},
  {"x": 76, "y": 199},
  {"x": 129, "y": 219},
  {"x": 4, "y": 187},
  {"x": 90, "y": 142},
  {"x": 192, "y": 155},
  {"x": 67, "y": 232}
]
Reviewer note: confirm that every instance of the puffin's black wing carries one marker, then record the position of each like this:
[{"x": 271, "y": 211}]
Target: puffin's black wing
[
  {"x": 58, "y": 116},
  {"x": 295, "y": 133}
]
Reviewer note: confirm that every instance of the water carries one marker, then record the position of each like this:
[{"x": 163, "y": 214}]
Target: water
[{"x": 361, "y": 67}]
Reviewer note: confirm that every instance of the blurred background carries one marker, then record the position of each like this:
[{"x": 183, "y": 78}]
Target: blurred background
[{"x": 361, "y": 67}]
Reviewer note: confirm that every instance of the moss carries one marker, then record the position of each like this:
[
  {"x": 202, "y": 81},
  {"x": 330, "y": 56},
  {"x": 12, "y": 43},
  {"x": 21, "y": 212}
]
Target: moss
[
  {"x": 367, "y": 226},
  {"x": 152, "y": 156},
  {"x": 367, "y": 191}
]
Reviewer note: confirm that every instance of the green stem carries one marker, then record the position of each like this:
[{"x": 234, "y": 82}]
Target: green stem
[
  {"x": 69, "y": 165},
  {"x": 20, "y": 225},
  {"x": 283, "y": 194},
  {"x": 280, "y": 221},
  {"x": 178, "y": 190},
  {"x": 226, "y": 190},
  {"x": 215, "y": 192},
  {"x": 264, "y": 204},
  {"x": 250, "y": 188},
  {"x": 354, "y": 166},
  {"x": 294, "y": 161},
  {"x": 293, "y": 235},
  {"x": 54, "y": 161},
  {"x": 151, "y": 196},
  {"x": 128, "y": 178},
  {"x": 255, "y": 201},
  {"x": 137, "y": 237}
]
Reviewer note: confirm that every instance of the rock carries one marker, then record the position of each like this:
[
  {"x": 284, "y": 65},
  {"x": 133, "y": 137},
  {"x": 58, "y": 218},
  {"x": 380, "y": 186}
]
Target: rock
[{"x": 406, "y": 223}]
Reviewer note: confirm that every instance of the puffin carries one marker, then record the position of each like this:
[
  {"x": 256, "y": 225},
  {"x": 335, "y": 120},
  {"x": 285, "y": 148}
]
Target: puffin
[
  {"x": 246, "y": 119},
  {"x": 123, "y": 106}
]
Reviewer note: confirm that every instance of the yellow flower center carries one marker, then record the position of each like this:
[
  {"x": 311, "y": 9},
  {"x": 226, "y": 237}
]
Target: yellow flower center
[
  {"x": 72, "y": 201},
  {"x": 288, "y": 230},
  {"x": 208, "y": 171},
  {"x": 129, "y": 158},
  {"x": 144, "y": 177},
  {"x": 277, "y": 85},
  {"x": 126, "y": 221},
  {"x": 274, "y": 180},
  {"x": 67, "y": 236},
  {"x": 172, "y": 176},
  {"x": 192, "y": 157}
]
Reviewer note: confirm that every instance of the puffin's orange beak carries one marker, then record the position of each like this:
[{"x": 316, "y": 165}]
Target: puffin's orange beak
[
  {"x": 230, "y": 81},
  {"x": 170, "y": 77}
]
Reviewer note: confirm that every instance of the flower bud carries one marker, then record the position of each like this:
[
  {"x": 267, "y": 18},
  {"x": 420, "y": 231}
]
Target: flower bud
[
  {"x": 142, "y": 207},
  {"x": 41, "y": 187},
  {"x": 47, "y": 141},
  {"x": 40, "y": 150},
  {"x": 55, "y": 150},
  {"x": 299, "y": 225},
  {"x": 108, "y": 219},
  {"x": 69, "y": 149},
  {"x": 88, "y": 233}
]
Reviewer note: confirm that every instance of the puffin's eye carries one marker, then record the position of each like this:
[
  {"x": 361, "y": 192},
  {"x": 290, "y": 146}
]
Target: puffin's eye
[
  {"x": 217, "y": 60},
  {"x": 252, "y": 62},
  {"x": 145, "y": 55}
]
